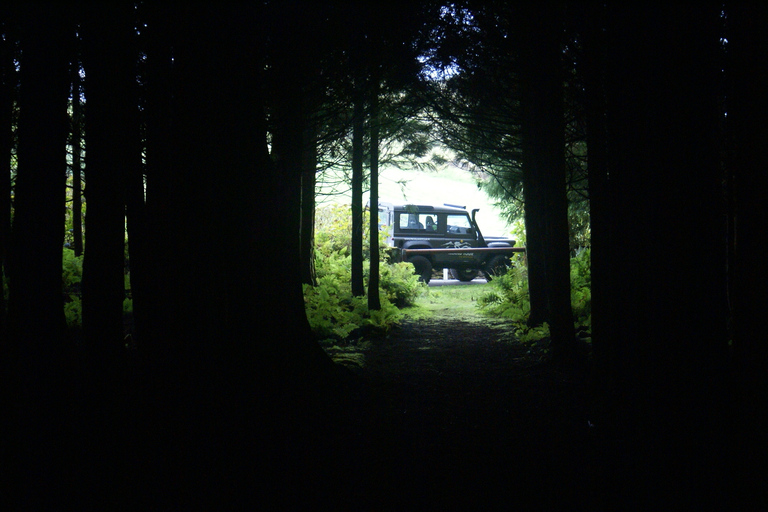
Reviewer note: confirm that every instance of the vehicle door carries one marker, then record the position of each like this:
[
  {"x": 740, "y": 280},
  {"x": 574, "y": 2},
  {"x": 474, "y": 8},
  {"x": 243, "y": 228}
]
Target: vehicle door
[{"x": 459, "y": 234}]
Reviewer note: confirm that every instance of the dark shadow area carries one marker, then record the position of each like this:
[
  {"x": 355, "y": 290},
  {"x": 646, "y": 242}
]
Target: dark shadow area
[{"x": 447, "y": 416}]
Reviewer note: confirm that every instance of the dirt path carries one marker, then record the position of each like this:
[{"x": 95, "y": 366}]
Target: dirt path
[
  {"x": 479, "y": 419},
  {"x": 451, "y": 413}
]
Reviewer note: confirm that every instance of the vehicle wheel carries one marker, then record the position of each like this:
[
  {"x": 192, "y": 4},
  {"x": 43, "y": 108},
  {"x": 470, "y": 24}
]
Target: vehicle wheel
[
  {"x": 423, "y": 267},
  {"x": 464, "y": 274},
  {"x": 496, "y": 267}
]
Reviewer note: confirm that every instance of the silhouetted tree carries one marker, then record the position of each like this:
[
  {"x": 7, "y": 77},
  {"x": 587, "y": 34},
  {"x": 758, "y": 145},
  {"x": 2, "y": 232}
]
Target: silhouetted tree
[
  {"x": 544, "y": 175},
  {"x": 660, "y": 241},
  {"x": 358, "y": 122},
  {"x": 374, "y": 301},
  {"x": 109, "y": 60},
  {"x": 153, "y": 268},
  {"x": 76, "y": 141},
  {"x": 8, "y": 88},
  {"x": 746, "y": 107},
  {"x": 308, "y": 206},
  {"x": 35, "y": 355}
]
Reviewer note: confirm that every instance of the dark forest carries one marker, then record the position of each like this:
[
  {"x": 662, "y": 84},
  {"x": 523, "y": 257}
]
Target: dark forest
[{"x": 202, "y": 129}]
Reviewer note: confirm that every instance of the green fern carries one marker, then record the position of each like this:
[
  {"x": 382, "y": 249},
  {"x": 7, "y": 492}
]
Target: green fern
[
  {"x": 510, "y": 298},
  {"x": 332, "y": 311}
]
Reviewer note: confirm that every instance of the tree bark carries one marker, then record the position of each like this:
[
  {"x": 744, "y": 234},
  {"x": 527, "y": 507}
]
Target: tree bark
[
  {"x": 664, "y": 276},
  {"x": 544, "y": 181},
  {"x": 35, "y": 359},
  {"x": 109, "y": 59},
  {"x": 308, "y": 183},
  {"x": 374, "y": 301},
  {"x": 162, "y": 200},
  {"x": 77, "y": 167},
  {"x": 8, "y": 83},
  {"x": 358, "y": 286},
  {"x": 746, "y": 109}
]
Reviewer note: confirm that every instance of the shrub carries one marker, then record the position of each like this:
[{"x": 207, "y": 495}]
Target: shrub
[
  {"x": 331, "y": 309},
  {"x": 581, "y": 289},
  {"x": 400, "y": 284},
  {"x": 510, "y": 298},
  {"x": 71, "y": 276}
]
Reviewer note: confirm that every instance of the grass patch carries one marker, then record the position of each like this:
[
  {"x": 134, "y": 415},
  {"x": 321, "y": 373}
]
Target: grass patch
[
  {"x": 457, "y": 302},
  {"x": 450, "y": 302}
]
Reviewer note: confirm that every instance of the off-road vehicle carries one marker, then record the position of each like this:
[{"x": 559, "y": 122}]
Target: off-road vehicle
[{"x": 438, "y": 237}]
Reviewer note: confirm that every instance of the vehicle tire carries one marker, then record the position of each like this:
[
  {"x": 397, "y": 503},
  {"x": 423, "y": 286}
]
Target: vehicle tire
[
  {"x": 497, "y": 266},
  {"x": 464, "y": 274},
  {"x": 423, "y": 267}
]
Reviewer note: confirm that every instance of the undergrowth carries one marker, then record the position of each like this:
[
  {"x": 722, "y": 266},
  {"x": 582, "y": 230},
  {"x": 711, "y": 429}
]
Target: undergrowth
[
  {"x": 333, "y": 312},
  {"x": 71, "y": 278},
  {"x": 510, "y": 298}
]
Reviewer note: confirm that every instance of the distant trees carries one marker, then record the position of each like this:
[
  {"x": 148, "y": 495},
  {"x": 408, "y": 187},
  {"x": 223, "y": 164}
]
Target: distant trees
[{"x": 357, "y": 41}]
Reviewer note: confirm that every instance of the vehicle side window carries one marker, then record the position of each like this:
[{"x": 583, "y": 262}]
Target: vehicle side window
[
  {"x": 423, "y": 222},
  {"x": 459, "y": 225}
]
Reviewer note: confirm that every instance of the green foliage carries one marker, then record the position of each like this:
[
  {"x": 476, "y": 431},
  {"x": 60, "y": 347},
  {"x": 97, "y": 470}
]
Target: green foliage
[
  {"x": 72, "y": 273},
  {"x": 399, "y": 283},
  {"x": 511, "y": 300},
  {"x": 73, "y": 312},
  {"x": 332, "y": 310},
  {"x": 71, "y": 276},
  {"x": 581, "y": 289}
]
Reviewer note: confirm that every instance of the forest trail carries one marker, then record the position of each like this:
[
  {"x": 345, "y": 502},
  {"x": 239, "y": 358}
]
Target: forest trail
[
  {"x": 455, "y": 413},
  {"x": 481, "y": 418}
]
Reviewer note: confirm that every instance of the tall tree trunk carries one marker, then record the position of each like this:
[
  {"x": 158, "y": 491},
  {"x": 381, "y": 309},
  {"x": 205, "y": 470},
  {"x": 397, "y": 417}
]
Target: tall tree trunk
[
  {"x": 535, "y": 251},
  {"x": 77, "y": 167},
  {"x": 112, "y": 128},
  {"x": 139, "y": 248},
  {"x": 543, "y": 125},
  {"x": 308, "y": 184},
  {"x": 235, "y": 312},
  {"x": 663, "y": 184},
  {"x": 374, "y": 301},
  {"x": 606, "y": 372},
  {"x": 294, "y": 155},
  {"x": 8, "y": 82},
  {"x": 159, "y": 281},
  {"x": 358, "y": 286},
  {"x": 747, "y": 105},
  {"x": 35, "y": 358}
]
